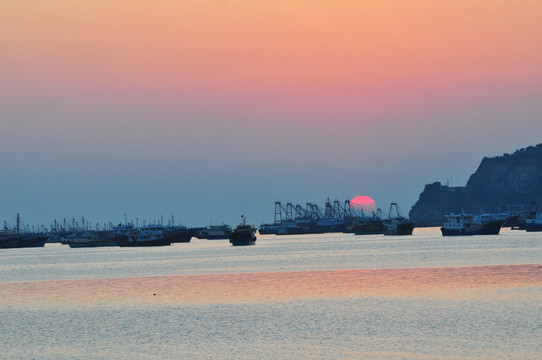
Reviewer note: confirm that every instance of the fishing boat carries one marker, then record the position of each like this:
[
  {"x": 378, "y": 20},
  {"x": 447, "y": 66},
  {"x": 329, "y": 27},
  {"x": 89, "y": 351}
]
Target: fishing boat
[
  {"x": 199, "y": 232},
  {"x": 14, "y": 238},
  {"x": 269, "y": 229},
  {"x": 296, "y": 220},
  {"x": 466, "y": 224},
  {"x": 533, "y": 222},
  {"x": 218, "y": 232},
  {"x": 330, "y": 225},
  {"x": 178, "y": 234},
  {"x": 97, "y": 238},
  {"x": 90, "y": 239},
  {"x": 334, "y": 219},
  {"x": 397, "y": 224},
  {"x": 22, "y": 240},
  {"x": 152, "y": 235},
  {"x": 243, "y": 234},
  {"x": 366, "y": 225},
  {"x": 295, "y": 227}
]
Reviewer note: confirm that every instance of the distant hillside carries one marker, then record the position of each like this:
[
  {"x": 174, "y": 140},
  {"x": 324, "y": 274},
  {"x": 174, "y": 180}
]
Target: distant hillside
[{"x": 498, "y": 183}]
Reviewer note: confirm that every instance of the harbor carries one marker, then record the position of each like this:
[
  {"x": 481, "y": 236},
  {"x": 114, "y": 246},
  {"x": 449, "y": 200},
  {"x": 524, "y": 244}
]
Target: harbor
[
  {"x": 289, "y": 219},
  {"x": 274, "y": 180}
]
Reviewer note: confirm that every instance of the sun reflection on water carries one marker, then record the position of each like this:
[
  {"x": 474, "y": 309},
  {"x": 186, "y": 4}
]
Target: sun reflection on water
[{"x": 450, "y": 283}]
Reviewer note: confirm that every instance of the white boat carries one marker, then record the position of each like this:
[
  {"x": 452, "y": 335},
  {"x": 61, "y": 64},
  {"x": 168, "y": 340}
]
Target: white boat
[
  {"x": 466, "y": 224},
  {"x": 152, "y": 235}
]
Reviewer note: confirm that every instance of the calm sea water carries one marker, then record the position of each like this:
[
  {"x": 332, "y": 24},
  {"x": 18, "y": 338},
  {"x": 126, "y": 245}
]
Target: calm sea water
[{"x": 331, "y": 296}]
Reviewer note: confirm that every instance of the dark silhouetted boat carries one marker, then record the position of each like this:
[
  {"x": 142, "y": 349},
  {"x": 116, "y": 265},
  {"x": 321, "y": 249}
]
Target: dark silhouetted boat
[
  {"x": 243, "y": 234},
  {"x": 368, "y": 225},
  {"x": 178, "y": 234},
  {"x": 14, "y": 238},
  {"x": 397, "y": 224},
  {"x": 22, "y": 240}
]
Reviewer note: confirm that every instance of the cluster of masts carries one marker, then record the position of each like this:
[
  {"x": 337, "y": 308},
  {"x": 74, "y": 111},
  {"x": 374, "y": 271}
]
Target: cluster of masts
[
  {"x": 21, "y": 228},
  {"x": 335, "y": 211},
  {"x": 335, "y": 217},
  {"x": 78, "y": 225},
  {"x": 311, "y": 211}
]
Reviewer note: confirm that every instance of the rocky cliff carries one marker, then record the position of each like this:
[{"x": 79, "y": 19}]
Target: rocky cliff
[{"x": 499, "y": 183}]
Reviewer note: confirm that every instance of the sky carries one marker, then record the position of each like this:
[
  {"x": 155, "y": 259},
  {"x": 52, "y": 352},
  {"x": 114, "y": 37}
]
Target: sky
[{"x": 212, "y": 109}]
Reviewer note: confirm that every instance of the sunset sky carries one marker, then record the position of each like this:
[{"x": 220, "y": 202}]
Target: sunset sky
[{"x": 212, "y": 109}]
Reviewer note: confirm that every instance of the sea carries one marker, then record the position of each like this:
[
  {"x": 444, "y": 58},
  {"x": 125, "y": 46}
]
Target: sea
[{"x": 325, "y": 296}]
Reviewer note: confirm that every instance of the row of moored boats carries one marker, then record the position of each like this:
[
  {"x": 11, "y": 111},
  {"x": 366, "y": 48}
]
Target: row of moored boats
[
  {"x": 336, "y": 219},
  {"x": 490, "y": 224},
  {"x": 126, "y": 235},
  {"x": 290, "y": 220}
]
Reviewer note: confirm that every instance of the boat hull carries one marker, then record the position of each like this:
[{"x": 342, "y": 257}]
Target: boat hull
[
  {"x": 94, "y": 239},
  {"x": 154, "y": 242},
  {"x": 368, "y": 228},
  {"x": 92, "y": 244},
  {"x": 533, "y": 227},
  {"x": 22, "y": 241},
  {"x": 399, "y": 229},
  {"x": 290, "y": 230},
  {"x": 268, "y": 229},
  {"x": 242, "y": 240},
  {"x": 179, "y": 235},
  {"x": 267, "y": 232},
  {"x": 218, "y": 237}
]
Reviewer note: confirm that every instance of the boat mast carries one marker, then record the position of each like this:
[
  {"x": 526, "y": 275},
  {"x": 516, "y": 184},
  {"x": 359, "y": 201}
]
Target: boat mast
[
  {"x": 289, "y": 211},
  {"x": 396, "y": 210},
  {"x": 278, "y": 212}
]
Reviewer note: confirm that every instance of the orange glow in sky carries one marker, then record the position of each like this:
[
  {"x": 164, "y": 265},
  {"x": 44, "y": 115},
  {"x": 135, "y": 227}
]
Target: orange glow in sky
[{"x": 349, "y": 55}]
